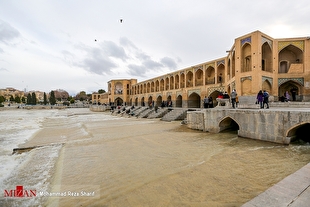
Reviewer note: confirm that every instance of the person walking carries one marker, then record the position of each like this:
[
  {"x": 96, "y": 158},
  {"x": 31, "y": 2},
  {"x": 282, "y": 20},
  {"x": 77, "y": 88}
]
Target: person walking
[
  {"x": 266, "y": 99},
  {"x": 233, "y": 96},
  {"x": 260, "y": 98}
]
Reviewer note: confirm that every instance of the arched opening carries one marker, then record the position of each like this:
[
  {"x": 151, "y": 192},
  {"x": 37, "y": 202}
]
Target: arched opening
[
  {"x": 171, "y": 83},
  {"x": 178, "y": 102},
  {"x": 150, "y": 101},
  {"x": 266, "y": 57},
  {"x": 162, "y": 85},
  {"x": 267, "y": 86},
  {"x": 159, "y": 101},
  {"x": 210, "y": 76},
  {"x": 199, "y": 78},
  {"x": 214, "y": 95},
  {"x": 118, "y": 101},
  {"x": 177, "y": 82},
  {"x": 156, "y": 86},
  {"x": 136, "y": 101},
  {"x": 167, "y": 84},
  {"x": 246, "y": 64},
  {"x": 228, "y": 124},
  {"x": 233, "y": 65},
  {"x": 300, "y": 133},
  {"x": 293, "y": 90},
  {"x": 189, "y": 79},
  {"x": 283, "y": 66},
  {"x": 182, "y": 81},
  {"x": 221, "y": 73},
  {"x": 290, "y": 59},
  {"x": 169, "y": 102},
  {"x": 194, "y": 101},
  {"x": 142, "y": 101}
]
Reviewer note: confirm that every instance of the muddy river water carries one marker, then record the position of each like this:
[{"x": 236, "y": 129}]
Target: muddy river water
[{"x": 95, "y": 159}]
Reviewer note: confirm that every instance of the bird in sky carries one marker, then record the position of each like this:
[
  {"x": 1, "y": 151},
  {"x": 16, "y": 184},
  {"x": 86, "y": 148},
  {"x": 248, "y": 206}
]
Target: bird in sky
[{"x": 121, "y": 20}]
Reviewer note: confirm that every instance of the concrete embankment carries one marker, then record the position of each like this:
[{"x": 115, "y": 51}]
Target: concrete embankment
[{"x": 293, "y": 191}]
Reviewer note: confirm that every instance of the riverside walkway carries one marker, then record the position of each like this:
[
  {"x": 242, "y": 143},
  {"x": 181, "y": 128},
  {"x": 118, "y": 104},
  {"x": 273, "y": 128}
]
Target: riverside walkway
[{"x": 293, "y": 191}]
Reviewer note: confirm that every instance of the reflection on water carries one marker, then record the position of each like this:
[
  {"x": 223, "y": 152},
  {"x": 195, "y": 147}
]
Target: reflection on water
[{"x": 141, "y": 162}]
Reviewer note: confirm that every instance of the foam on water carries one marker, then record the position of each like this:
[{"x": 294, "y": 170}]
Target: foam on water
[{"x": 18, "y": 126}]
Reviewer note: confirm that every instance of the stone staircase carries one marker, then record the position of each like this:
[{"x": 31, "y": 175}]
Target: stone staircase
[
  {"x": 160, "y": 113},
  {"x": 175, "y": 114},
  {"x": 145, "y": 113}
]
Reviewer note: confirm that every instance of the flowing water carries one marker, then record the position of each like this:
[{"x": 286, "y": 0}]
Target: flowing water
[{"x": 84, "y": 158}]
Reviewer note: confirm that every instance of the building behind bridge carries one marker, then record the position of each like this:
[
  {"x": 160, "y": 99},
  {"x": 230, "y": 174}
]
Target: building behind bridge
[{"x": 255, "y": 62}]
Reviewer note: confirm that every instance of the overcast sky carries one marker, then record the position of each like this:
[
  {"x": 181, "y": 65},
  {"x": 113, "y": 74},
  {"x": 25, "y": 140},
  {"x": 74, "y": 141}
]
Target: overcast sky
[{"x": 79, "y": 45}]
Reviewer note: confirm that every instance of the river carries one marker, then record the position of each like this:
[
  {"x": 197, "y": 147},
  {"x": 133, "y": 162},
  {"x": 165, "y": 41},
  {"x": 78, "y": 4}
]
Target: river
[{"x": 86, "y": 158}]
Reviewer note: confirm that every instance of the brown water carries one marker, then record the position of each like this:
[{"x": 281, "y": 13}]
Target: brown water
[{"x": 141, "y": 162}]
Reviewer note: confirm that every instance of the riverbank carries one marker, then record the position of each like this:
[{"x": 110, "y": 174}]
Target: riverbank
[{"x": 145, "y": 162}]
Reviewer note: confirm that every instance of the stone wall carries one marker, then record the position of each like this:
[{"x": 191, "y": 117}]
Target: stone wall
[{"x": 277, "y": 126}]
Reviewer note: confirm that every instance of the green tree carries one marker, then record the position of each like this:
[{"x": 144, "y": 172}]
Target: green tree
[
  {"x": 2, "y": 99},
  {"x": 33, "y": 98},
  {"x": 12, "y": 98},
  {"x": 17, "y": 99},
  {"x": 52, "y": 98},
  {"x": 23, "y": 99},
  {"x": 45, "y": 99},
  {"x": 100, "y": 91},
  {"x": 29, "y": 99},
  {"x": 81, "y": 96}
]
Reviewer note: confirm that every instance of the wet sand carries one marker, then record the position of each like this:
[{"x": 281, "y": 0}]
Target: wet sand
[{"x": 142, "y": 162}]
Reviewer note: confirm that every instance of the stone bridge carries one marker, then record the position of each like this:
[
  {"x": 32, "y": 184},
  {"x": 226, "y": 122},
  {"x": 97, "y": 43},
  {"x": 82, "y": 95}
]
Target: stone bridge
[{"x": 279, "y": 125}]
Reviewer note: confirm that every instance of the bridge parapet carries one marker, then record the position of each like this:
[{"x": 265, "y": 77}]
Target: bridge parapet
[{"x": 279, "y": 126}]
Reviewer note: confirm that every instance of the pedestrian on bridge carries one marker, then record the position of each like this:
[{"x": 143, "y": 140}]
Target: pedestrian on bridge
[
  {"x": 260, "y": 98},
  {"x": 206, "y": 102},
  {"x": 266, "y": 99},
  {"x": 233, "y": 96}
]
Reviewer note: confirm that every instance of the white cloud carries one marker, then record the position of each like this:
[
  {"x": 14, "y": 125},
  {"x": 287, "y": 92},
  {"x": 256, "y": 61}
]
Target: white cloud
[{"x": 57, "y": 38}]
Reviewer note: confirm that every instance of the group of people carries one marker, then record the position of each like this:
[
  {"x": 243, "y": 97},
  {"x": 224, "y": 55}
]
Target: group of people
[
  {"x": 263, "y": 99},
  {"x": 208, "y": 102}
]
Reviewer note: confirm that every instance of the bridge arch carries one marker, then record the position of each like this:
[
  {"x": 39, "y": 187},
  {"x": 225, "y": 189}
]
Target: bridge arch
[
  {"x": 119, "y": 101},
  {"x": 150, "y": 101},
  {"x": 178, "y": 101},
  {"x": 294, "y": 88},
  {"x": 194, "y": 101},
  {"x": 142, "y": 101},
  {"x": 214, "y": 95},
  {"x": 159, "y": 100},
  {"x": 299, "y": 132},
  {"x": 228, "y": 123}
]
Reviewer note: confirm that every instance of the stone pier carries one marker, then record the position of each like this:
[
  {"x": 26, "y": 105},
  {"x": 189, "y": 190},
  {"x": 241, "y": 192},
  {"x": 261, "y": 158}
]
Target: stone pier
[{"x": 279, "y": 125}]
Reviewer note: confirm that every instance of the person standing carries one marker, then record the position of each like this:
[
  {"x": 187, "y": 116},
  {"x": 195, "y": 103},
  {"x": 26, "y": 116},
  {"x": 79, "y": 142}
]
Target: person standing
[
  {"x": 237, "y": 101},
  {"x": 287, "y": 96},
  {"x": 260, "y": 98},
  {"x": 210, "y": 102},
  {"x": 233, "y": 96},
  {"x": 205, "y": 102},
  {"x": 266, "y": 99}
]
